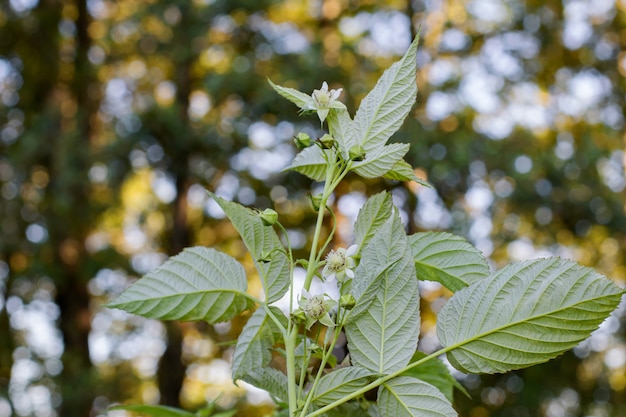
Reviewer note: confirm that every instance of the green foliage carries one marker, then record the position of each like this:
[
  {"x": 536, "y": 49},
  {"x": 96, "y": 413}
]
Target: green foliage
[
  {"x": 198, "y": 284},
  {"x": 447, "y": 259},
  {"x": 525, "y": 314}
]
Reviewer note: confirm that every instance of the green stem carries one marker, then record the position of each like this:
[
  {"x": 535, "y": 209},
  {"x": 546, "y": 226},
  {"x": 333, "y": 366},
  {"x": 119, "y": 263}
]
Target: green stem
[
  {"x": 325, "y": 358},
  {"x": 290, "y": 348}
]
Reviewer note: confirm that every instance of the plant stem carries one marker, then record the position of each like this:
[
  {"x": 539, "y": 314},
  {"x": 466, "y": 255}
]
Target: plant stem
[{"x": 290, "y": 349}]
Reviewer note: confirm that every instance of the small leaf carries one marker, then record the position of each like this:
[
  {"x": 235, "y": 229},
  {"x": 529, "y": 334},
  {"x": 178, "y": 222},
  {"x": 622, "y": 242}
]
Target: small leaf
[
  {"x": 304, "y": 101},
  {"x": 383, "y": 326},
  {"x": 408, "y": 397},
  {"x": 261, "y": 241},
  {"x": 379, "y": 161},
  {"x": 337, "y": 384},
  {"x": 374, "y": 213},
  {"x": 197, "y": 284},
  {"x": 269, "y": 379},
  {"x": 253, "y": 345},
  {"x": 447, "y": 259},
  {"x": 525, "y": 314},
  {"x": 383, "y": 110},
  {"x": 402, "y": 171},
  {"x": 342, "y": 129},
  {"x": 310, "y": 162},
  {"x": 154, "y": 410},
  {"x": 435, "y": 373}
]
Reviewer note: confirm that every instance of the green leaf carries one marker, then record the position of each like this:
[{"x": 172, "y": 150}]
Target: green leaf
[
  {"x": 379, "y": 161},
  {"x": 304, "y": 101},
  {"x": 337, "y": 384},
  {"x": 253, "y": 345},
  {"x": 436, "y": 373},
  {"x": 402, "y": 171},
  {"x": 310, "y": 162},
  {"x": 197, "y": 284},
  {"x": 383, "y": 326},
  {"x": 261, "y": 241},
  {"x": 341, "y": 127},
  {"x": 353, "y": 409},
  {"x": 447, "y": 259},
  {"x": 408, "y": 397},
  {"x": 154, "y": 410},
  {"x": 269, "y": 379},
  {"x": 383, "y": 110},
  {"x": 374, "y": 213},
  {"x": 525, "y": 314}
]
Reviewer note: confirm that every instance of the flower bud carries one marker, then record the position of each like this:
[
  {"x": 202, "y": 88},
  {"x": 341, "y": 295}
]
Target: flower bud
[
  {"x": 298, "y": 316},
  {"x": 269, "y": 217},
  {"x": 347, "y": 301},
  {"x": 327, "y": 141},
  {"x": 357, "y": 153},
  {"x": 302, "y": 140}
]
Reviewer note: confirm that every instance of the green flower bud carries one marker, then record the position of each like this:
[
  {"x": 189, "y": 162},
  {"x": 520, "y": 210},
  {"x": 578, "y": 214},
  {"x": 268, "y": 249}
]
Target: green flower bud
[
  {"x": 269, "y": 217},
  {"x": 347, "y": 301},
  {"x": 357, "y": 153},
  {"x": 302, "y": 140},
  {"x": 298, "y": 316},
  {"x": 327, "y": 141}
]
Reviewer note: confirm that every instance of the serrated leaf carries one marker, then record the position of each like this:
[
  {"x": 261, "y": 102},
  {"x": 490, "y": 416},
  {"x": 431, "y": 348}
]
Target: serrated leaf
[
  {"x": 154, "y": 410},
  {"x": 353, "y": 409},
  {"x": 408, "y": 397},
  {"x": 402, "y": 171},
  {"x": 525, "y": 314},
  {"x": 374, "y": 213},
  {"x": 269, "y": 379},
  {"x": 383, "y": 326},
  {"x": 197, "y": 284},
  {"x": 304, "y": 101},
  {"x": 310, "y": 162},
  {"x": 383, "y": 110},
  {"x": 341, "y": 127},
  {"x": 337, "y": 384},
  {"x": 436, "y": 373},
  {"x": 447, "y": 259},
  {"x": 379, "y": 161},
  {"x": 253, "y": 345},
  {"x": 261, "y": 241}
]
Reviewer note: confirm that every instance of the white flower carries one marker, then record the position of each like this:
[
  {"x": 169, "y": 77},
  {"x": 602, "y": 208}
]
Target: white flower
[
  {"x": 317, "y": 308},
  {"x": 340, "y": 264},
  {"x": 324, "y": 100}
]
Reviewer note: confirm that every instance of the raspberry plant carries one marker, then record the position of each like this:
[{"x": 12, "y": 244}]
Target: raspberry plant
[{"x": 524, "y": 314}]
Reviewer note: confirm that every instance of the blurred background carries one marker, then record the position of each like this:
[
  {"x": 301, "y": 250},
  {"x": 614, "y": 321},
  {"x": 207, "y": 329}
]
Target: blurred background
[{"x": 117, "y": 115}]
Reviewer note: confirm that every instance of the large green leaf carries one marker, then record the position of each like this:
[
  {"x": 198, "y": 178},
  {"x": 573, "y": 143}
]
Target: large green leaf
[
  {"x": 379, "y": 161},
  {"x": 408, "y": 397},
  {"x": 384, "y": 324},
  {"x": 154, "y": 410},
  {"x": 310, "y": 162},
  {"x": 341, "y": 126},
  {"x": 447, "y": 259},
  {"x": 527, "y": 313},
  {"x": 197, "y": 284},
  {"x": 436, "y": 373},
  {"x": 374, "y": 213},
  {"x": 337, "y": 384},
  {"x": 262, "y": 242},
  {"x": 383, "y": 110}
]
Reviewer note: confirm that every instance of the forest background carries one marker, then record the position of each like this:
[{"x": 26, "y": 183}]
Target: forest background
[{"x": 116, "y": 116}]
